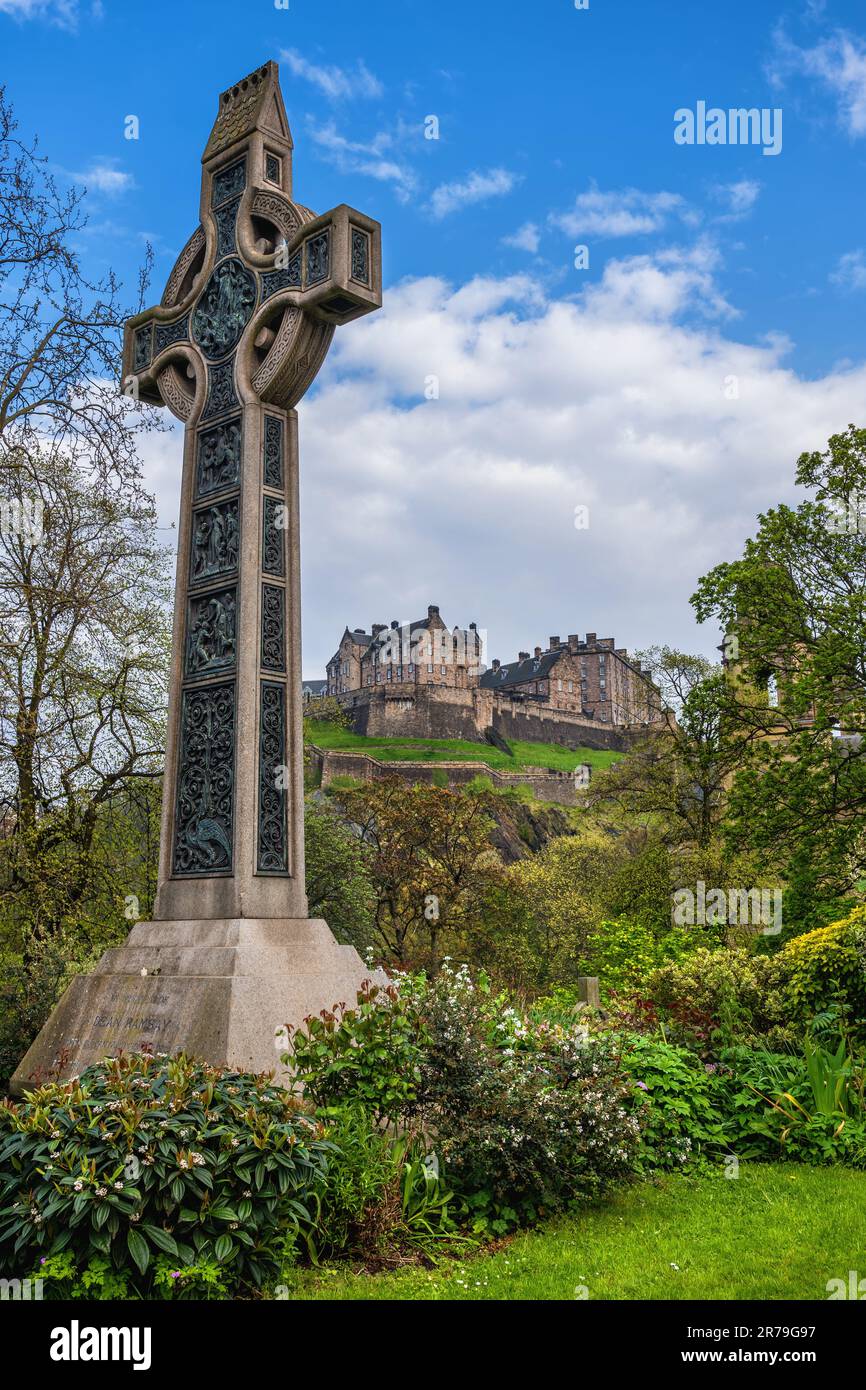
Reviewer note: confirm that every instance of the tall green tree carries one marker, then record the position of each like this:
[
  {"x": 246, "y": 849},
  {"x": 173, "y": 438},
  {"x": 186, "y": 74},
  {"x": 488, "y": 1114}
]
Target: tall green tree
[
  {"x": 793, "y": 609},
  {"x": 675, "y": 775}
]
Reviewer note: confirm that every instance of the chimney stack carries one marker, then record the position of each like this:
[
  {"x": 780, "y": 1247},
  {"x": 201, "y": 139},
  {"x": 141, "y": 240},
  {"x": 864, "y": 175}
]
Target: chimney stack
[
  {"x": 433, "y": 610},
  {"x": 377, "y": 628},
  {"x": 590, "y": 639},
  {"x": 554, "y": 644},
  {"x": 573, "y": 641},
  {"x": 523, "y": 656},
  {"x": 496, "y": 663},
  {"x": 537, "y": 652}
]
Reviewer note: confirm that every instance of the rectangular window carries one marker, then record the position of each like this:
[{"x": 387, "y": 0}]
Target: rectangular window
[
  {"x": 443, "y": 670},
  {"x": 429, "y": 669},
  {"x": 571, "y": 687}
]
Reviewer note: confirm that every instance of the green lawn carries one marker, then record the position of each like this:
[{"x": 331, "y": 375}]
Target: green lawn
[
  {"x": 779, "y": 1231},
  {"x": 388, "y": 750}
]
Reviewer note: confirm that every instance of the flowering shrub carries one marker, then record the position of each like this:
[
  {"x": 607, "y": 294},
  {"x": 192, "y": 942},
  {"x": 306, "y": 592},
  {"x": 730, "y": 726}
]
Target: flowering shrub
[
  {"x": 529, "y": 1117},
  {"x": 525, "y": 1116},
  {"x": 145, "y": 1157}
]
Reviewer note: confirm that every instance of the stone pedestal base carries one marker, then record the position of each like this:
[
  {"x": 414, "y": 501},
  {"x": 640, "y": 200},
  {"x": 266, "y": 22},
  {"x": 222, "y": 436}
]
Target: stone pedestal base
[{"x": 220, "y": 990}]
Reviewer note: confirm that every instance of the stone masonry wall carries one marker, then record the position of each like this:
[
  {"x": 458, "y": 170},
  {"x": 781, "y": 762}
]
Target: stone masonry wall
[
  {"x": 555, "y": 787},
  {"x": 405, "y": 711}
]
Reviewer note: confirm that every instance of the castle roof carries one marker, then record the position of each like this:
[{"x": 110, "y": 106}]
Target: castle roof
[{"x": 534, "y": 668}]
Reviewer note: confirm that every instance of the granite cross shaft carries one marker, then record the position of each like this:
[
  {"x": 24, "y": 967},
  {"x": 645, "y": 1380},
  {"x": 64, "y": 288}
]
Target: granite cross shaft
[{"x": 246, "y": 320}]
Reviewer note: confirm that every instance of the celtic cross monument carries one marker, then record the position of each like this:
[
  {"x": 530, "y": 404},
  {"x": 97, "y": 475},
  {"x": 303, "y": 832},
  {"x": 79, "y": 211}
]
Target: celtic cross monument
[{"x": 243, "y": 327}]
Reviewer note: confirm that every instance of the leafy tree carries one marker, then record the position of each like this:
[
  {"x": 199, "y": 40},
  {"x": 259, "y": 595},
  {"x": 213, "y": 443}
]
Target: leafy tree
[
  {"x": 431, "y": 860},
  {"x": 794, "y": 611},
  {"x": 675, "y": 775},
  {"x": 339, "y": 880}
]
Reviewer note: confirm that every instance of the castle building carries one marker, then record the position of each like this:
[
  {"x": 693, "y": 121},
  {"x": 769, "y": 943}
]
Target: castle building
[
  {"x": 344, "y": 668},
  {"x": 594, "y": 679},
  {"x": 425, "y": 652}
]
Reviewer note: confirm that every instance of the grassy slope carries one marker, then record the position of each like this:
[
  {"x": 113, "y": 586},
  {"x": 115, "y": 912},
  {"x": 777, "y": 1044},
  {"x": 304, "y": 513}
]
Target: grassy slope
[
  {"x": 779, "y": 1231},
  {"x": 453, "y": 750}
]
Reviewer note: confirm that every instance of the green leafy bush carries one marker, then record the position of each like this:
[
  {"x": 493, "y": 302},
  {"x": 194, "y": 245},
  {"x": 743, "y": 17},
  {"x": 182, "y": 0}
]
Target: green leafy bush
[
  {"x": 827, "y": 967},
  {"x": 525, "y": 1116},
  {"x": 675, "y": 1097},
  {"x": 738, "y": 995},
  {"x": 369, "y": 1055},
  {"x": 146, "y": 1156},
  {"x": 384, "y": 1199},
  {"x": 625, "y": 951}
]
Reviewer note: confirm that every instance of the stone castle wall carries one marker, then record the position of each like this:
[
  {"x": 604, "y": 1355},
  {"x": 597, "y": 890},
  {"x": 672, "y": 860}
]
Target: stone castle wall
[
  {"x": 407, "y": 711},
  {"x": 556, "y": 787}
]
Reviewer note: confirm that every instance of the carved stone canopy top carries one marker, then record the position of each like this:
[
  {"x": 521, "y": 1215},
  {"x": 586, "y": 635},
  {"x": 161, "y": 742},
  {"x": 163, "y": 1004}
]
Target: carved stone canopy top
[{"x": 250, "y": 308}]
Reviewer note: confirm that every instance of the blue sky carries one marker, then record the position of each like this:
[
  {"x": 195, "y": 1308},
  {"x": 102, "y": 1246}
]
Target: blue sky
[{"x": 559, "y": 387}]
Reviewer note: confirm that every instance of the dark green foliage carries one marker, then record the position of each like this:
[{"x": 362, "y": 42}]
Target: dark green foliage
[{"x": 143, "y": 1157}]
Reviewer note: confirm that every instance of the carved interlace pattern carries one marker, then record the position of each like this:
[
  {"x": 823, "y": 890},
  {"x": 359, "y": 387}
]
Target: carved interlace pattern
[
  {"x": 280, "y": 211},
  {"x": 180, "y": 402},
  {"x": 273, "y": 798},
  {"x": 226, "y": 220},
  {"x": 273, "y": 470},
  {"x": 166, "y": 334},
  {"x": 222, "y": 395},
  {"x": 184, "y": 261},
  {"x": 204, "y": 811},
  {"x": 141, "y": 348},
  {"x": 288, "y": 278},
  {"x": 280, "y": 351},
  {"x": 360, "y": 256},
  {"x": 273, "y": 628},
  {"x": 318, "y": 258},
  {"x": 273, "y": 546}
]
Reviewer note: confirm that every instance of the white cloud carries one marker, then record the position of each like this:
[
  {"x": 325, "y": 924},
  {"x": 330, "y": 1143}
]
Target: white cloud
[
  {"x": 374, "y": 158},
  {"x": 336, "y": 83},
  {"x": 839, "y": 62},
  {"x": 621, "y": 212},
  {"x": 739, "y": 198},
  {"x": 61, "y": 12},
  {"x": 526, "y": 238},
  {"x": 103, "y": 176},
  {"x": 850, "y": 272},
  {"x": 477, "y": 187},
  {"x": 617, "y": 399}
]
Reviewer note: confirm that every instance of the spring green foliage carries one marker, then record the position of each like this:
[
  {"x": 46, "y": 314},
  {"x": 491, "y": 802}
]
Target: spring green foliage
[
  {"x": 340, "y": 884},
  {"x": 794, "y": 609}
]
